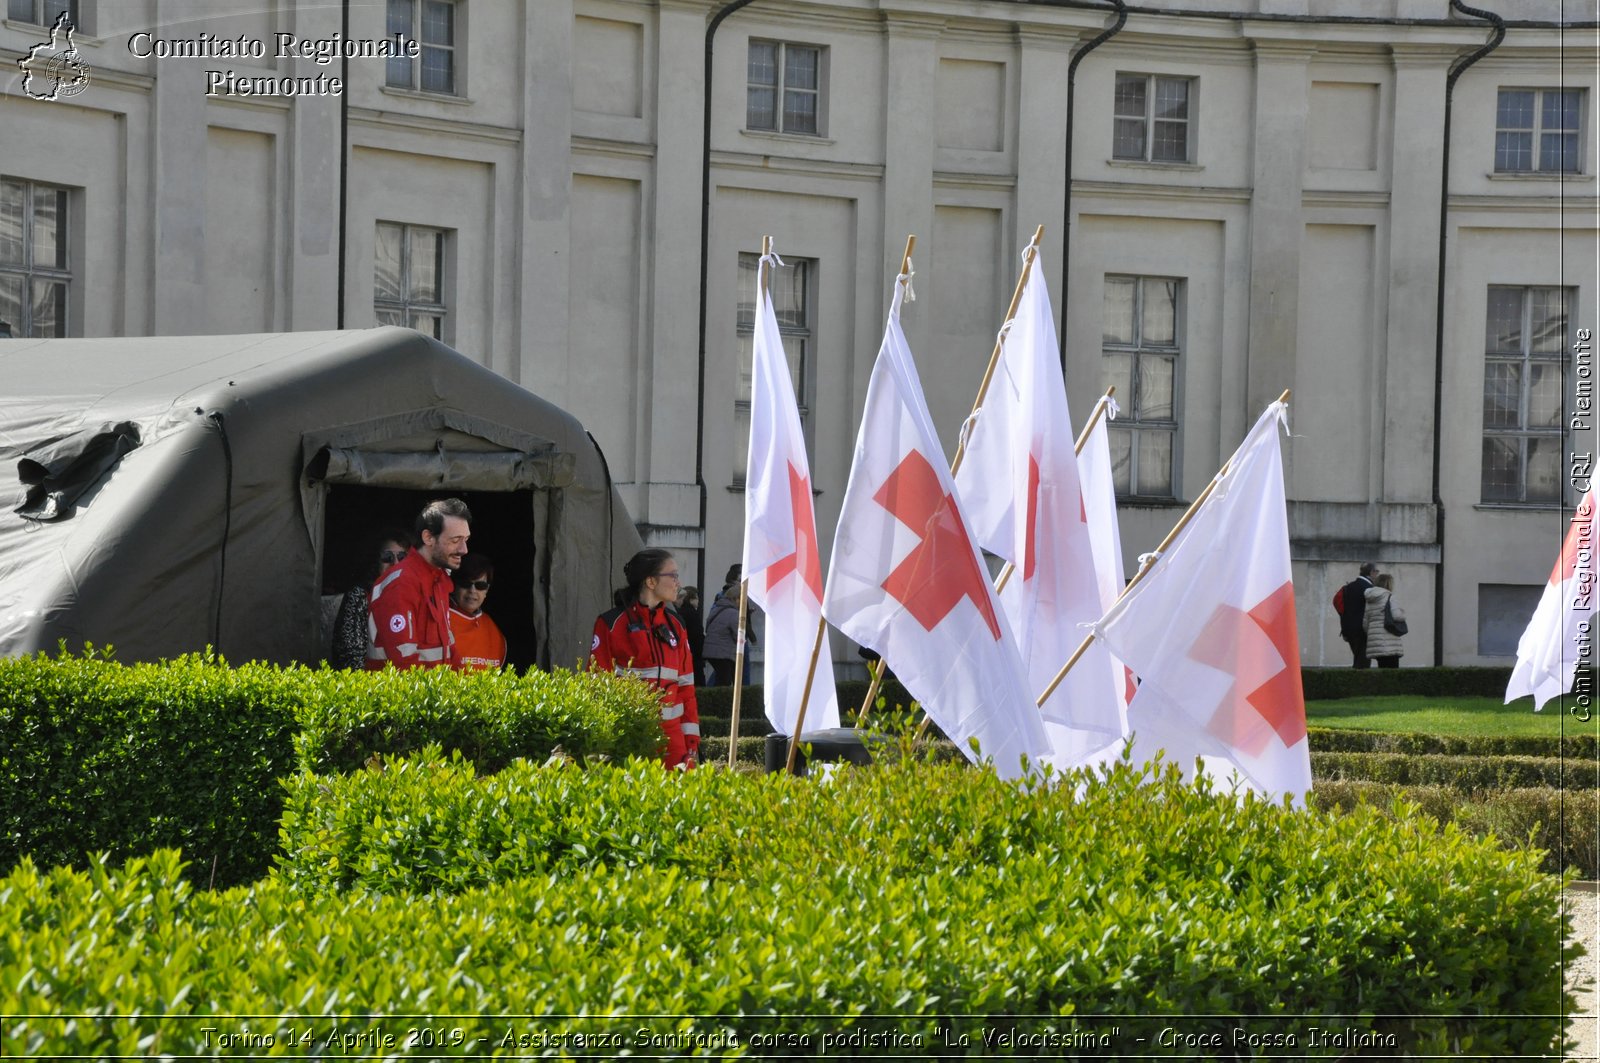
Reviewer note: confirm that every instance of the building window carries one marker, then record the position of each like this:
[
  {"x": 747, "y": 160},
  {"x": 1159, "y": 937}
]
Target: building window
[
  {"x": 1141, "y": 345},
  {"x": 409, "y": 266},
  {"x": 1522, "y": 391},
  {"x": 42, "y": 12},
  {"x": 1504, "y": 610},
  {"x": 1151, "y": 120},
  {"x": 432, "y": 24},
  {"x": 784, "y": 88},
  {"x": 34, "y": 275},
  {"x": 1536, "y": 131},
  {"x": 791, "y": 288}
]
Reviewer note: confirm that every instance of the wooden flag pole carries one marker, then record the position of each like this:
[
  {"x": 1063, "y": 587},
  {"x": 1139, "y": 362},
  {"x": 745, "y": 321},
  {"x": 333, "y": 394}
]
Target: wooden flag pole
[
  {"x": 876, "y": 670},
  {"x": 744, "y": 585},
  {"x": 738, "y": 673},
  {"x": 1077, "y": 448},
  {"x": 805, "y": 695},
  {"x": 1144, "y": 569},
  {"x": 877, "y": 673},
  {"x": 1031, "y": 253}
]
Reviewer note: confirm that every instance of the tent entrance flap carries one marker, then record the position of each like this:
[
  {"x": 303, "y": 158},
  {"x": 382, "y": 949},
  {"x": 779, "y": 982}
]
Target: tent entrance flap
[{"x": 441, "y": 468}]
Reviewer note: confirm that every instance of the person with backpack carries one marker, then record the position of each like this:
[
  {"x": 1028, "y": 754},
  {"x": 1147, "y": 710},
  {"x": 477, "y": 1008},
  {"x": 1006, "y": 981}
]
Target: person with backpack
[
  {"x": 1385, "y": 622},
  {"x": 1350, "y": 604}
]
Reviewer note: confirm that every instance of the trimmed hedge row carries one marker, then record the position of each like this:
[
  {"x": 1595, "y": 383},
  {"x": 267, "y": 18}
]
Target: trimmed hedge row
[
  {"x": 1112, "y": 899},
  {"x": 490, "y": 717},
  {"x": 1468, "y": 774},
  {"x": 1323, "y": 739},
  {"x": 1320, "y": 684},
  {"x": 1562, "y": 824},
  {"x": 1344, "y": 740},
  {"x": 99, "y": 756},
  {"x": 188, "y": 753}
]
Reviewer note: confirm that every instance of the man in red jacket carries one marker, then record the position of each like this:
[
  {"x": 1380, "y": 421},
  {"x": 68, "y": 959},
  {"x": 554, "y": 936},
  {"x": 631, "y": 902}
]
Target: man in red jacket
[{"x": 409, "y": 614}]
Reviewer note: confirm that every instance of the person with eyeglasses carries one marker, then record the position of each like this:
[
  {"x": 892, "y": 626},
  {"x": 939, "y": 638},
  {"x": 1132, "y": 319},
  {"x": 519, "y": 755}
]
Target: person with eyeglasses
[
  {"x": 409, "y": 613},
  {"x": 479, "y": 643},
  {"x": 642, "y": 637},
  {"x": 351, "y": 636}
]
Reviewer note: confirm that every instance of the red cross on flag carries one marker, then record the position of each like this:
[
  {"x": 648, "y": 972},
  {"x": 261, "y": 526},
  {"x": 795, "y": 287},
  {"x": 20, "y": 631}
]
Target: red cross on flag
[
  {"x": 1211, "y": 633},
  {"x": 1558, "y": 635},
  {"x": 1019, "y": 483},
  {"x": 906, "y": 578},
  {"x": 781, "y": 563}
]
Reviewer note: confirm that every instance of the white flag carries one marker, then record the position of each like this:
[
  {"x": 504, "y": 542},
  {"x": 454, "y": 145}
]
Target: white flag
[
  {"x": 906, "y": 579},
  {"x": 1105, "y": 535},
  {"x": 1211, "y": 633},
  {"x": 1020, "y": 487},
  {"x": 1558, "y": 635},
  {"x": 781, "y": 561}
]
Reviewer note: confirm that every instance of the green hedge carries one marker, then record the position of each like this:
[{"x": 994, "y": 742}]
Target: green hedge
[
  {"x": 1562, "y": 824},
  {"x": 1321, "y": 684},
  {"x": 629, "y": 890},
  {"x": 98, "y": 756},
  {"x": 491, "y": 717},
  {"x": 1469, "y": 774},
  {"x": 1344, "y": 740},
  {"x": 418, "y": 887}
]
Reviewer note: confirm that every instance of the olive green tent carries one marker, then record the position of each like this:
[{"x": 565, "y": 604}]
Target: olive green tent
[{"x": 179, "y": 492}]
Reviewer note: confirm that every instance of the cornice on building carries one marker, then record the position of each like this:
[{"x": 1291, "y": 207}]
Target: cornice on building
[
  {"x": 974, "y": 181},
  {"x": 597, "y": 147},
  {"x": 1166, "y": 194},
  {"x": 747, "y": 162},
  {"x": 439, "y": 127}
]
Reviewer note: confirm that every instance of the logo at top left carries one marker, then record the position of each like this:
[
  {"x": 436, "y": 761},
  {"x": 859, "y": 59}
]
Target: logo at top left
[{"x": 55, "y": 70}]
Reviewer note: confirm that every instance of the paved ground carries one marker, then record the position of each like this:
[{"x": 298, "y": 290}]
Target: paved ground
[{"x": 1583, "y": 901}]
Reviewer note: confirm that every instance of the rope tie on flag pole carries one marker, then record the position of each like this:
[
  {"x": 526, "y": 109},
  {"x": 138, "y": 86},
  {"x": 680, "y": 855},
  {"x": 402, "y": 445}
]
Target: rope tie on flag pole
[
  {"x": 1151, "y": 558},
  {"x": 905, "y": 279},
  {"x": 771, "y": 260},
  {"x": 965, "y": 435}
]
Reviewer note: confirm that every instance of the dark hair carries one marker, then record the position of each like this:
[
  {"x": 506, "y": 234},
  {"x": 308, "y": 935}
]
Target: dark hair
[
  {"x": 640, "y": 567},
  {"x": 735, "y": 573},
  {"x": 374, "y": 567},
  {"x": 1369, "y": 568},
  {"x": 431, "y": 519},
  {"x": 473, "y": 566}
]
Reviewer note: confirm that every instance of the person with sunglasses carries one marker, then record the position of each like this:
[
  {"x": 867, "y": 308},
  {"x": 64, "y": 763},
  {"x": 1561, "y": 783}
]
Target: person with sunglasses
[
  {"x": 479, "y": 643},
  {"x": 351, "y": 636},
  {"x": 640, "y": 636}
]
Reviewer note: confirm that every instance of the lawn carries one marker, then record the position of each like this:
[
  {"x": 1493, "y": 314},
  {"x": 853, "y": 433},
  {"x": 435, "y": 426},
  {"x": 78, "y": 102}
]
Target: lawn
[{"x": 1446, "y": 715}]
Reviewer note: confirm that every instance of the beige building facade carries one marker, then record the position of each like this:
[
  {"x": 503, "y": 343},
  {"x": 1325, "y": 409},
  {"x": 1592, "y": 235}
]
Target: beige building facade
[{"x": 1255, "y": 205}]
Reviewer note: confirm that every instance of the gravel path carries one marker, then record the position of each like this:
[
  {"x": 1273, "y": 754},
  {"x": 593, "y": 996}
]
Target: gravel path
[{"x": 1583, "y": 901}]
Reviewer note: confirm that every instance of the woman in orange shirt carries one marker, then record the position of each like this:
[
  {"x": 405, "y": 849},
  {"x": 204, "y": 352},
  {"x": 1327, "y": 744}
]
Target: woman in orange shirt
[{"x": 479, "y": 643}]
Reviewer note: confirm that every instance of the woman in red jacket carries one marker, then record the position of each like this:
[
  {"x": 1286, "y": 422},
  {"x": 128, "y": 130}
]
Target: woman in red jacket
[{"x": 643, "y": 638}]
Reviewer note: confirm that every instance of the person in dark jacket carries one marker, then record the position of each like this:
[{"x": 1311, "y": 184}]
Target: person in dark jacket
[
  {"x": 722, "y": 630},
  {"x": 351, "y": 637},
  {"x": 689, "y": 612},
  {"x": 1351, "y": 603}
]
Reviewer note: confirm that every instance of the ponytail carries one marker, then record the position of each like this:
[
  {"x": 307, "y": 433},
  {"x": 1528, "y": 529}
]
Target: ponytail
[{"x": 640, "y": 567}]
